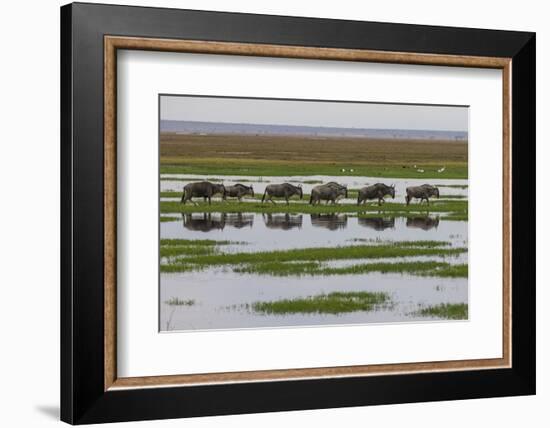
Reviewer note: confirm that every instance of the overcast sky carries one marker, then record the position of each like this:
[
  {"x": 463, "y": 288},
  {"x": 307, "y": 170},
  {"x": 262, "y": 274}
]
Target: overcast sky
[{"x": 314, "y": 113}]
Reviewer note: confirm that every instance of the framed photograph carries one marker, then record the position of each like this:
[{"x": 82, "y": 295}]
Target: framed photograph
[{"x": 266, "y": 213}]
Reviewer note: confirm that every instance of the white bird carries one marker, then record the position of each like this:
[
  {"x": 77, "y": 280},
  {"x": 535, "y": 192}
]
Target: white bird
[
  {"x": 343, "y": 170},
  {"x": 420, "y": 170},
  {"x": 441, "y": 169},
  {"x": 351, "y": 170},
  {"x": 414, "y": 166}
]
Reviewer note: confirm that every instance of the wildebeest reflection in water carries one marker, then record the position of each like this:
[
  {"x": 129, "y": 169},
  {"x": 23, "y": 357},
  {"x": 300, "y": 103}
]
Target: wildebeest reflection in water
[
  {"x": 424, "y": 223},
  {"x": 282, "y": 221},
  {"x": 377, "y": 223},
  {"x": 329, "y": 221},
  {"x": 206, "y": 222}
]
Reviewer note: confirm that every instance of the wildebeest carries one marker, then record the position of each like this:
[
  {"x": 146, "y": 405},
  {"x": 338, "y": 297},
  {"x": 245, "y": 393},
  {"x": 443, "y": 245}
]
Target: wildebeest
[
  {"x": 201, "y": 189},
  {"x": 328, "y": 192},
  {"x": 377, "y": 223},
  {"x": 282, "y": 221},
  {"x": 285, "y": 190},
  {"x": 424, "y": 223},
  {"x": 421, "y": 192},
  {"x": 329, "y": 221},
  {"x": 376, "y": 191},
  {"x": 238, "y": 191}
]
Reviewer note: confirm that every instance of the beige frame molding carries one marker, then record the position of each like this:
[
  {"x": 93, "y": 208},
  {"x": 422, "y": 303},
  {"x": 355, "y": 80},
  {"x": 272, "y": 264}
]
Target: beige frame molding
[{"x": 113, "y": 43}]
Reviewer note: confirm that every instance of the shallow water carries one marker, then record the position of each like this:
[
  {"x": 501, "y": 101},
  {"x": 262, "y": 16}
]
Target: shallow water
[
  {"x": 265, "y": 232},
  {"x": 221, "y": 295}
]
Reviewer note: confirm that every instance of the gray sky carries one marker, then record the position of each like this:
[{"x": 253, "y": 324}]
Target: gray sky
[{"x": 314, "y": 113}]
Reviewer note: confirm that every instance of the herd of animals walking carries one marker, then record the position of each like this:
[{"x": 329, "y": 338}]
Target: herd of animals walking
[{"x": 329, "y": 192}]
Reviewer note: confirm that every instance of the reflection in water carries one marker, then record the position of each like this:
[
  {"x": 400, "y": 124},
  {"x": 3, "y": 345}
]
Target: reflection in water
[
  {"x": 282, "y": 221},
  {"x": 424, "y": 223},
  {"x": 205, "y": 222},
  {"x": 330, "y": 221},
  {"x": 238, "y": 220},
  {"x": 377, "y": 223}
]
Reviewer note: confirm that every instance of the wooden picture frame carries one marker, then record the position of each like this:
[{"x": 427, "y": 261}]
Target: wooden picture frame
[{"x": 91, "y": 390}]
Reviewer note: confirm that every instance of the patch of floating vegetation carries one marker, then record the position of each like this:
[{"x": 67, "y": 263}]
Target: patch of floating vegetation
[
  {"x": 332, "y": 303},
  {"x": 319, "y": 254},
  {"x": 191, "y": 247},
  {"x": 165, "y": 219},
  {"x": 450, "y": 311},
  {"x": 377, "y": 241},
  {"x": 175, "y": 301}
]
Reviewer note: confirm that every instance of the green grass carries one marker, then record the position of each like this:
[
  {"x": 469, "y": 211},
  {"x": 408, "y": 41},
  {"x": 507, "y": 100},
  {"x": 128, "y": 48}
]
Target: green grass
[
  {"x": 393, "y": 250},
  {"x": 303, "y": 207},
  {"x": 164, "y": 219},
  {"x": 175, "y": 301},
  {"x": 449, "y": 271},
  {"x": 196, "y": 242},
  {"x": 452, "y": 311},
  {"x": 218, "y": 167},
  {"x": 186, "y": 250},
  {"x": 332, "y": 303},
  {"x": 429, "y": 268},
  {"x": 214, "y": 179},
  {"x": 191, "y": 247},
  {"x": 458, "y": 216}
]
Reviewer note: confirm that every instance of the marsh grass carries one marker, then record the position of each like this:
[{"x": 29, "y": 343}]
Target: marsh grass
[
  {"x": 452, "y": 311},
  {"x": 455, "y": 217},
  {"x": 313, "y": 268},
  {"x": 196, "y": 242},
  {"x": 332, "y": 303},
  {"x": 392, "y": 250},
  {"x": 165, "y": 219},
  {"x": 191, "y": 247},
  {"x": 175, "y": 301},
  {"x": 449, "y": 271}
]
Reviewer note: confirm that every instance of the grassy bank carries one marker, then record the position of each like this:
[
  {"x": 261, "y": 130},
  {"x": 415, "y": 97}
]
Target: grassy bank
[
  {"x": 303, "y": 207},
  {"x": 332, "y": 303},
  {"x": 257, "y": 168}
]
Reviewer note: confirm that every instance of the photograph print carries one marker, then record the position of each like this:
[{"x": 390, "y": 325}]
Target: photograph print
[{"x": 293, "y": 213}]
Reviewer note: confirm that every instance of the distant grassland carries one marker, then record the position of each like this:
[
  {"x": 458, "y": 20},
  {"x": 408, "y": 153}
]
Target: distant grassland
[{"x": 287, "y": 155}]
